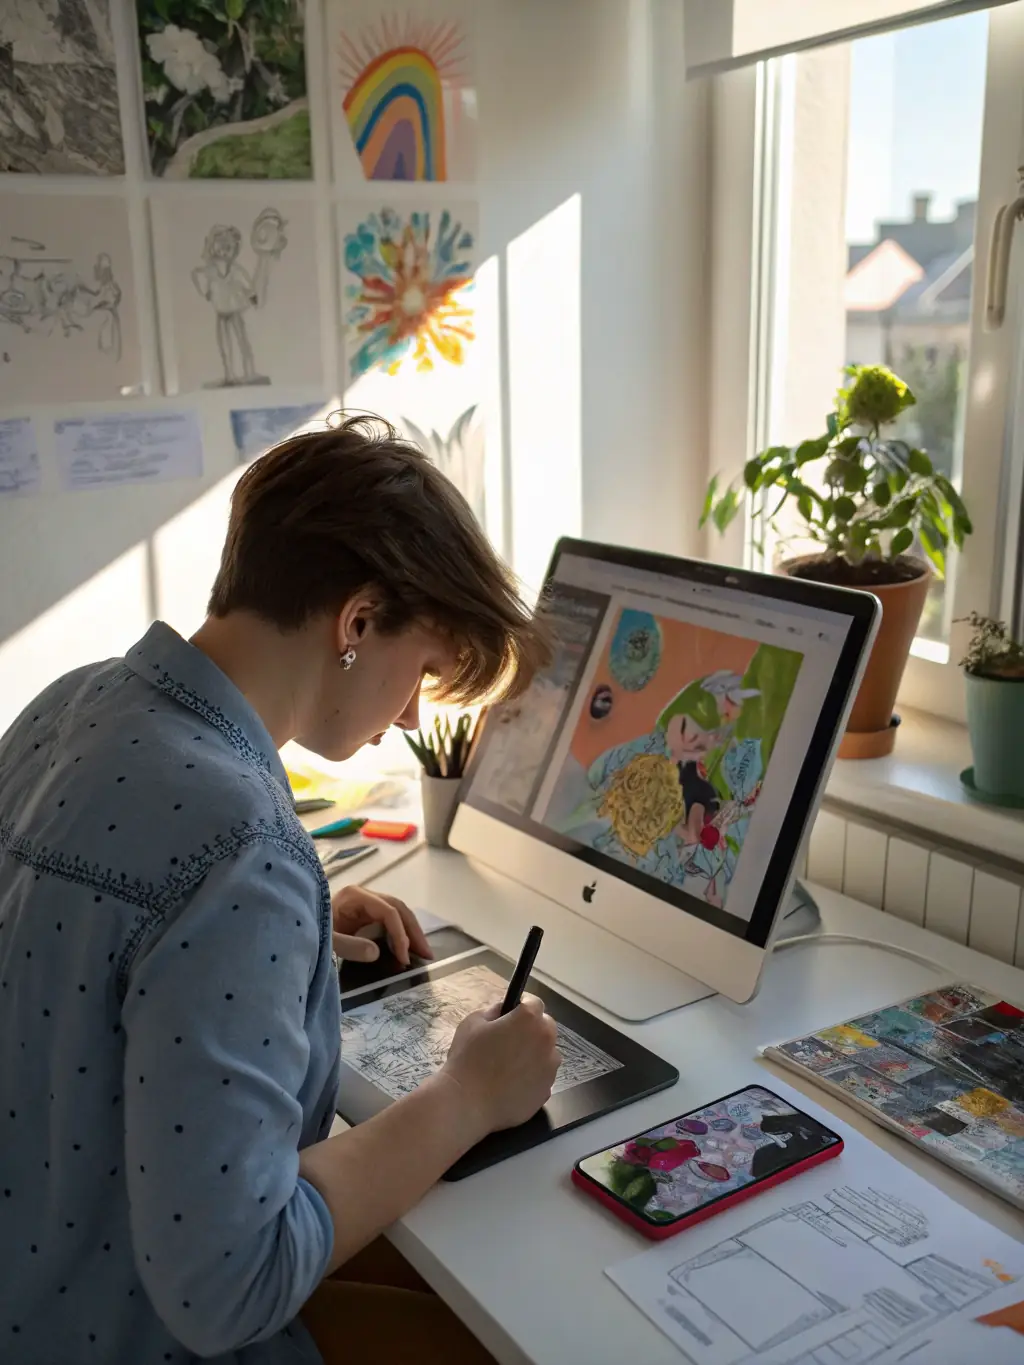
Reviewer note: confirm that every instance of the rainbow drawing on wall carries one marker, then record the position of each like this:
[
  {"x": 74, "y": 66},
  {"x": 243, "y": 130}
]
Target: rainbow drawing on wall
[
  {"x": 394, "y": 77},
  {"x": 409, "y": 299}
]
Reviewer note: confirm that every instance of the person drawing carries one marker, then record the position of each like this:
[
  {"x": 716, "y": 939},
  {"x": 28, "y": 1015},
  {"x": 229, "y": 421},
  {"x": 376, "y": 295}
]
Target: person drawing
[
  {"x": 231, "y": 291},
  {"x": 170, "y": 1041},
  {"x": 40, "y": 294}
]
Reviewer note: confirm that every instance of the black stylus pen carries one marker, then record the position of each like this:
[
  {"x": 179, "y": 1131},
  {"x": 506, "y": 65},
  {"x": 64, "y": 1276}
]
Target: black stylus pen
[{"x": 524, "y": 967}]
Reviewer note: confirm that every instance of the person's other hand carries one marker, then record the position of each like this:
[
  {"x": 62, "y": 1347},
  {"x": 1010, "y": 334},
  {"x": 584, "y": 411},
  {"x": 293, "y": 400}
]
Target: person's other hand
[
  {"x": 354, "y": 910},
  {"x": 505, "y": 1066}
]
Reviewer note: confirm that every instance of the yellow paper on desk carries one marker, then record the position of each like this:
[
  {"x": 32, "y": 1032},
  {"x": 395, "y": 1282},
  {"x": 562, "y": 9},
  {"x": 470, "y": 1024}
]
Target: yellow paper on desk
[{"x": 348, "y": 793}]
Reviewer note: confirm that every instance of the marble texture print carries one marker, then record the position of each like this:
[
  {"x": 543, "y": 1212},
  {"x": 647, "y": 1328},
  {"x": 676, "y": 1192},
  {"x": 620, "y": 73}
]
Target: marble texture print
[{"x": 59, "y": 112}]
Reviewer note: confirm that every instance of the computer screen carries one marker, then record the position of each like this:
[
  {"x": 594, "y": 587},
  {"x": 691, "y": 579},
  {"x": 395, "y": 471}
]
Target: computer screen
[{"x": 679, "y": 735}]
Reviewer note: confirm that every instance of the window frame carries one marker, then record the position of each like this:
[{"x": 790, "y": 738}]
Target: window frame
[{"x": 749, "y": 123}]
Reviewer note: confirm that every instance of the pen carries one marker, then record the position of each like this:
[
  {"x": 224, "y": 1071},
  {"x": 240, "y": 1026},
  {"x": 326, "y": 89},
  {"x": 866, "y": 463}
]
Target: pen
[
  {"x": 519, "y": 978},
  {"x": 348, "y": 855},
  {"x": 337, "y": 829}
]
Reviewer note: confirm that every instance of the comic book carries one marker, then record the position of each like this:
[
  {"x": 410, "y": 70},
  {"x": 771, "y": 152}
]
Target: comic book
[{"x": 944, "y": 1070}]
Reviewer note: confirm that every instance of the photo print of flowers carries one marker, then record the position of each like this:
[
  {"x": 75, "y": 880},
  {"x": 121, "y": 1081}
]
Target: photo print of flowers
[{"x": 224, "y": 84}]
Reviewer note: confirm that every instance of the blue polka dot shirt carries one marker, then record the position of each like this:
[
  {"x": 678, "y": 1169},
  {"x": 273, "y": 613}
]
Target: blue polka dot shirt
[{"x": 169, "y": 1024}]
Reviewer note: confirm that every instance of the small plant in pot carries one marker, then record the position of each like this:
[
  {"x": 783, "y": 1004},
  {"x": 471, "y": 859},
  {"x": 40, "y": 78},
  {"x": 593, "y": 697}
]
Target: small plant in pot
[
  {"x": 871, "y": 501},
  {"x": 994, "y": 678},
  {"x": 443, "y": 753}
]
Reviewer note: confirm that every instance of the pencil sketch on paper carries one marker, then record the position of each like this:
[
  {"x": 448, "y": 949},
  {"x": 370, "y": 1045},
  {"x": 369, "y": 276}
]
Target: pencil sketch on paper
[
  {"x": 844, "y": 1277},
  {"x": 231, "y": 291},
  {"x": 397, "y": 1042},
  {"x": 459, "y": 456},
  {"x": 48, "y": 294},
  {"x": 397, "y": 76},
  {"x": 59, "y": 112}
]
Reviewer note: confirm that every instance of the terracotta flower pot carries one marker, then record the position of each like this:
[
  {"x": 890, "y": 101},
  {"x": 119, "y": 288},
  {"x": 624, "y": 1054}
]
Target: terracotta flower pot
[{"x": 870, "y": 732}]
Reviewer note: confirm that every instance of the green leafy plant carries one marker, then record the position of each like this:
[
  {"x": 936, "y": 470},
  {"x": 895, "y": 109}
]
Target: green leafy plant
[
  {"x": 877, "y": 497},
  {"x": 444, "y": 750},
  {"x": 992, "y": 651}
]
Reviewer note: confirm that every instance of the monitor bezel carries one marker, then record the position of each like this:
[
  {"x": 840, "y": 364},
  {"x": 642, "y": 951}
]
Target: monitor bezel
[{"x": 480, "y": 829}]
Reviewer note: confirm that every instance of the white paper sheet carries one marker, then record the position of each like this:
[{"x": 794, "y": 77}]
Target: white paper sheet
[
  {"x": 856, "y": 1261},
  {"x": 19, "y": 459},
  {"x": 397, "y": 1042},
  {"x": 144, "y": 447},
  {"x": 428, "y": 922}
]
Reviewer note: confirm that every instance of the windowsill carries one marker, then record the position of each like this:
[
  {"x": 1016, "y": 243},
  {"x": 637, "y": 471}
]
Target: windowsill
[{"x": 918, "y": 787}]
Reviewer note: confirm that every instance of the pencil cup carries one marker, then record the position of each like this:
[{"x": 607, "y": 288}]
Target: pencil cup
[{"x": 440, "y": 798}]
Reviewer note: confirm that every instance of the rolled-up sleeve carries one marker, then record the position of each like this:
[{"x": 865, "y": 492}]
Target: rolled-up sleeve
[{"x": 229, "y": 1241}]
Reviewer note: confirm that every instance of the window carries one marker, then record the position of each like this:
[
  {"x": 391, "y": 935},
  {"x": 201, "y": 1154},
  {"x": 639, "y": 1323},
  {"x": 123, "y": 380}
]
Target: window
[{"x": 872, "y": 171}]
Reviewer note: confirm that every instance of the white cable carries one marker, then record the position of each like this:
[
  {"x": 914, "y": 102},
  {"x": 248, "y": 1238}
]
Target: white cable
[{"x": 865, "y": 943}]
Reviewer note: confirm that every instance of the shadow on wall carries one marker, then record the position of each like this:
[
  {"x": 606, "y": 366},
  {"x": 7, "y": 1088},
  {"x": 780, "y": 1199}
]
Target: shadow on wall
[{"x": 167, "y": 573}]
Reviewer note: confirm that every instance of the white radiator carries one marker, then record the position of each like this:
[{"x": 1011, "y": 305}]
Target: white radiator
[{"x": 947, "y": 892}]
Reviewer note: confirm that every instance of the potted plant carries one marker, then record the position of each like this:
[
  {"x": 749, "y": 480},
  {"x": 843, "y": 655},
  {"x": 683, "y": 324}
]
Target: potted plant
[
  {"x": 875, "y": 502},
  {"x": 994, "y": 677},
  {"x": 443, "y": 753}
]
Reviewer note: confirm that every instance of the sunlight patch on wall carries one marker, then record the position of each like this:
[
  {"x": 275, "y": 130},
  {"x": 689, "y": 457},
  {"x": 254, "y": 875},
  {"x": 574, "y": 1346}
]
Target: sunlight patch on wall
[{"x": 544, "y": 353}]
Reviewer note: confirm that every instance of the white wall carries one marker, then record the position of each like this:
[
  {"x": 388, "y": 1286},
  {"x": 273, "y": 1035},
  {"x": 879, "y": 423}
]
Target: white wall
[{"x": 593, "y": 196}]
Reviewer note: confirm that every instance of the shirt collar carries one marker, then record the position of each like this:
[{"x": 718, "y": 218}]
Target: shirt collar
[{"x": 166, "y": 661}]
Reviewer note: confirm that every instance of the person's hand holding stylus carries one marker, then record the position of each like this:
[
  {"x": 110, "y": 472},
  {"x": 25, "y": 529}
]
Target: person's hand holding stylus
[{"x": 506, "y": 1058}]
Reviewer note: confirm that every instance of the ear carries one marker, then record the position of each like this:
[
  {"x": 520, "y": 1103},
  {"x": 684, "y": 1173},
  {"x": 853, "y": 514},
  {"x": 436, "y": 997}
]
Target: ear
[{"x": 354, "y": 620}]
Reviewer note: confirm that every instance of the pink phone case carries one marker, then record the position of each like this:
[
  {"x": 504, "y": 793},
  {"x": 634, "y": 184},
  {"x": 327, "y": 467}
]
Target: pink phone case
[{"x": 659, "y": 1231}]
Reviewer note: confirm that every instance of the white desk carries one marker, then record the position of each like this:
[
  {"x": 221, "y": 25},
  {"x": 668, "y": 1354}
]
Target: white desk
[{"x": 519, "y": 1255}]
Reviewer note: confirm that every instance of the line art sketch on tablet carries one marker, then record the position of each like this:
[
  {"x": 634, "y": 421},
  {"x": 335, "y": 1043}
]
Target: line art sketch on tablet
[
  {"x": 231, "y": 290},
  {"x": 50, "y": 295},
  {"x": 59, "y": 110},
  {"x": 397, "y": 1042}
]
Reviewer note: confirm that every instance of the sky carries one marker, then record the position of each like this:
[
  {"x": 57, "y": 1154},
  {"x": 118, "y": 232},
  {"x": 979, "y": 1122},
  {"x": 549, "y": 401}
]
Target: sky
[{"x": 916, "y": 106}]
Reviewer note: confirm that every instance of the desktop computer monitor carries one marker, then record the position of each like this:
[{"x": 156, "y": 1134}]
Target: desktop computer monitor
[{"x": 659, "y": 776}]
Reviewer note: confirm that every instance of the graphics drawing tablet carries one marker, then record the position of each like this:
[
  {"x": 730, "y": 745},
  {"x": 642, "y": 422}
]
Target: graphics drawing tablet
[{"x": 395, "y": 1036}]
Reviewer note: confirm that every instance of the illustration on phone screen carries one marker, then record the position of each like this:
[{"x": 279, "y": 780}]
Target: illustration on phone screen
[{"x": 674, "y": 1170}]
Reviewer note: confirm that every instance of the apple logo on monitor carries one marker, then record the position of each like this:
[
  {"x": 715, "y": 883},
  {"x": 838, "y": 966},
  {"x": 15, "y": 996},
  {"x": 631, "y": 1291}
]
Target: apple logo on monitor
[{"x": 588, "y": 892}]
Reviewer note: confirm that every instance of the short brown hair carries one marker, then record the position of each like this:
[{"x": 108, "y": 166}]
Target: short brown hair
[{"x": 329, "y": 514}]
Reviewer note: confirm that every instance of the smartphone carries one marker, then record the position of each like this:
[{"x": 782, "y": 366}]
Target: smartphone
[{"x": 692, "y": 1167}]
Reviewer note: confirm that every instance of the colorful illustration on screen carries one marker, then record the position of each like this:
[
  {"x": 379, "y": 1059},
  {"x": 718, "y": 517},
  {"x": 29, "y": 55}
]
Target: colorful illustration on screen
[
  {"x": 520, "y": 733},
  {"x": 635, "y": 650},
  {"x": 669, "y": 783},
  {"x": 394, "y": 76},
  {"x": 672, "y": 1170},
  {"x": 410, "y": 296}
]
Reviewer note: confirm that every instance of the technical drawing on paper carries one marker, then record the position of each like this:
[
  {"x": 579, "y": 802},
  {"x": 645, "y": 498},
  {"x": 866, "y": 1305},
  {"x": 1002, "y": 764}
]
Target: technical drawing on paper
[
  {"x": 840, "y": 1279},
  {"x": 397, "y": 1042},
  {"x": 231, "y": 291}
]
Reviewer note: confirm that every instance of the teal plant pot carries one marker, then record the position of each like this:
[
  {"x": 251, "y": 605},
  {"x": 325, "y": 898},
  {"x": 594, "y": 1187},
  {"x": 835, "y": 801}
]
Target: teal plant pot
[{"x": 995, "y": 721}]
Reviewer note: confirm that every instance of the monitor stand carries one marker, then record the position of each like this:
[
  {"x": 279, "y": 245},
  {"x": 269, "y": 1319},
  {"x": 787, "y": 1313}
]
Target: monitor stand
[
  {"x": 578, "y": 956},
  {"x": 801, "y": 915}
]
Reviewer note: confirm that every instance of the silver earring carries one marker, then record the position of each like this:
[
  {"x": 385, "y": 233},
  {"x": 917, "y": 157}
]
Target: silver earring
[{"x": 347, "y": 659}]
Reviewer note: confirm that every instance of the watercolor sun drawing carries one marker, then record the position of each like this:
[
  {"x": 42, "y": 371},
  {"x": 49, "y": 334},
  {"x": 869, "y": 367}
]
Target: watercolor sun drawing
[{"x": 410, "y": 296}]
